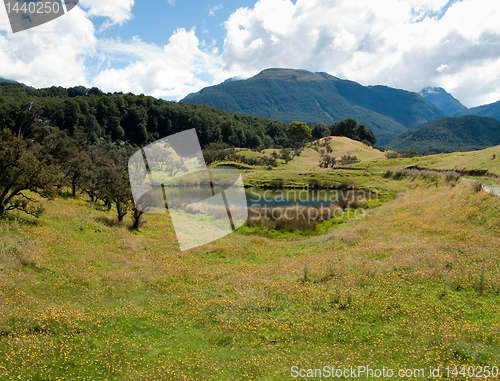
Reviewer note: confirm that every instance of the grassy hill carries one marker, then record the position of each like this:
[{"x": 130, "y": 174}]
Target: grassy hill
[
  {"x": 288, "y": 95},
  {"x": 464, "y": 133},
  {"x": 414, "y": 284},
  {"x": 484, "y": 160}
]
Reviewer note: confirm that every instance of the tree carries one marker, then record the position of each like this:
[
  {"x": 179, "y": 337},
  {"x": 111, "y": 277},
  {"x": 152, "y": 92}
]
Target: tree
[
  {"x": 299, "y": 131},
  {"x": 268, "y": 142},
  {"x": 173, "y": 166},
  {"x": 112, "y": 180},
  {"x": 327, "y": 161},
  {"x": 115, "y": 187},
  {"x": 320, "y": 130},
  {"x": 23, "y": 168},
  {"x": 351, "y": 129},
  {"x": 286, "y": 154}
]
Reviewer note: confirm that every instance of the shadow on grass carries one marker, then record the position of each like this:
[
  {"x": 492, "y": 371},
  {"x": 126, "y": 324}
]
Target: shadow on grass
[
  {"x": 19, "y": 218},
  {"x": 108, "y": 221}
]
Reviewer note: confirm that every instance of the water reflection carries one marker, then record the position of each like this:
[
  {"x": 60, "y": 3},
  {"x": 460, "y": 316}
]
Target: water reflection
[{"x": 271, "y": 198}]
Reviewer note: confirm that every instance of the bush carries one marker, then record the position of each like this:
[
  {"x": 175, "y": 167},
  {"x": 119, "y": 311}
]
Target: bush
[
  {"x": 349, "y": 159},
  {"x": 388, "y": 174},
  {"x": 476, "y": 186},
  {"x": 410, "y": 154},
  {"x": 451, "y": 176},
  {"x": 392, "y": 155}
]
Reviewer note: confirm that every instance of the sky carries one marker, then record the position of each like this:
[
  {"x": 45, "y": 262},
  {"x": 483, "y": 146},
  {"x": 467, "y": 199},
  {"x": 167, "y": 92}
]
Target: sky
[{"x": 170, "y": 48}]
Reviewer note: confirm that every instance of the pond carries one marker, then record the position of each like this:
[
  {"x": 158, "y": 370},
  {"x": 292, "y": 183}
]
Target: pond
[{"x": 272, "y": 198}]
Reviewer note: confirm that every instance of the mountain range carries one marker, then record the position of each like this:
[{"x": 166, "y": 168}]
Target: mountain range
[
  {"x": 289, "y": 95},
  {"x": 490, "y": 111},
  {"x": 429, "y": 121},
  {"x": 451, "y": 134}
]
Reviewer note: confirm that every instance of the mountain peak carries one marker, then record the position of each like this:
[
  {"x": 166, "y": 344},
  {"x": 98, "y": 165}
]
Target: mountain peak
[
  {"x": 433, "y": 90},
  {"x": 293, "y": 74},
  {"x": 440, "y": 98}
]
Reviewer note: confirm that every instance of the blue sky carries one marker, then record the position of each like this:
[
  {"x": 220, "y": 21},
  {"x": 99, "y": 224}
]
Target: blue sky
[
  {"x": 155, "y": 21},
  {"x": 170, "y": 48}
]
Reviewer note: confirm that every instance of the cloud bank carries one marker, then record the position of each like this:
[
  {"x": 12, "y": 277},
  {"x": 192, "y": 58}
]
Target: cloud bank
[{"x": 407, "y": 44}]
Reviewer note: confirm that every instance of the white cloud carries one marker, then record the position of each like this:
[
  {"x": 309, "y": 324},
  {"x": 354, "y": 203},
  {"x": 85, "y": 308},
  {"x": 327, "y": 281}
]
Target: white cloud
[
  {"x": 398, "y": 43},
  {"x": 212, "y": 10},
  {"x": 116, "y": 11},
  {"x": 48, "y": 54},
  {"x": 172, "y": 72},
  {"x": 441, "y": 68}
]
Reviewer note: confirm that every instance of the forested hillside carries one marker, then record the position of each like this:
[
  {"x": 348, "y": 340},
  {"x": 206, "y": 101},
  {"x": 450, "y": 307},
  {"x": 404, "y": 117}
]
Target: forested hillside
[
  {"x": 137, "y": 119},
  {"x": 140, "y": 119},
  {"x": 491, "y": 110},
  {"x": 460, "y": 134}
]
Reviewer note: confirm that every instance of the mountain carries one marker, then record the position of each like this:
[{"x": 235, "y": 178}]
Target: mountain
[
  {"x": 11, "y": 81},
  {"x": 490, "y": 111},
  {"x": 440, "y": 98},
  {"x": 459, "y": 134},
  {"x": 289, "y": 95}
]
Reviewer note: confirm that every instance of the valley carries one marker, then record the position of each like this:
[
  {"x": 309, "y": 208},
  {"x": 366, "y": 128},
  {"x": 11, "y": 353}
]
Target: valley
[{"x": 412, "y": 284}]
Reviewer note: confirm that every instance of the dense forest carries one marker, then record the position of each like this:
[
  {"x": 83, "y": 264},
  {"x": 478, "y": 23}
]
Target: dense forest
[{"x": 140, "y": 119}]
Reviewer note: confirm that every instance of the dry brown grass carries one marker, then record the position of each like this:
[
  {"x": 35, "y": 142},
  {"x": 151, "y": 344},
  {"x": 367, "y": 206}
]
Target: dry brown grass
[{"x": 292, "y": 218}]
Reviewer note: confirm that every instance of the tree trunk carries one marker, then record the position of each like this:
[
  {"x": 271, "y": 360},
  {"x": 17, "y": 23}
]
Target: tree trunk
[
  {"x": 121, "y": 210},
  {"x": 137, "y": 219}
]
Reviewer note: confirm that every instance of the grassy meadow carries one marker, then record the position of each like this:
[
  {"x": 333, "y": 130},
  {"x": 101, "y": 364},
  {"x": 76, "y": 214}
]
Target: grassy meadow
[{"x": 416, "y": 283}]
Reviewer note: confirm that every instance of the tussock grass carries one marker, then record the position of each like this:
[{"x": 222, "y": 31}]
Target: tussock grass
[
  {"x": 428, "y": 175},
  {"x": 293, "y": 218}
]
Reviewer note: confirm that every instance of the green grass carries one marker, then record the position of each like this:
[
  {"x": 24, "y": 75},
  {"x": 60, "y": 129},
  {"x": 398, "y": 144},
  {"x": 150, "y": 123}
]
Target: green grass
[
  {"x": 482, "y": 160},
  {"x": 405, "y": 287}
]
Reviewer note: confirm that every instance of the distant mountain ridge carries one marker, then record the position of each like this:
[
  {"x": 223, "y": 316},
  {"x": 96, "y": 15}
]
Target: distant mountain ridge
[
  {"x": 491, "y": 110},
  {"x": 12, "y": 81},
  {"x": 440, "y": 98},
  {"x": 288, "y": 95},
  {"x": 452, "y": 106},
  {"x": 451, "y": 134}
]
